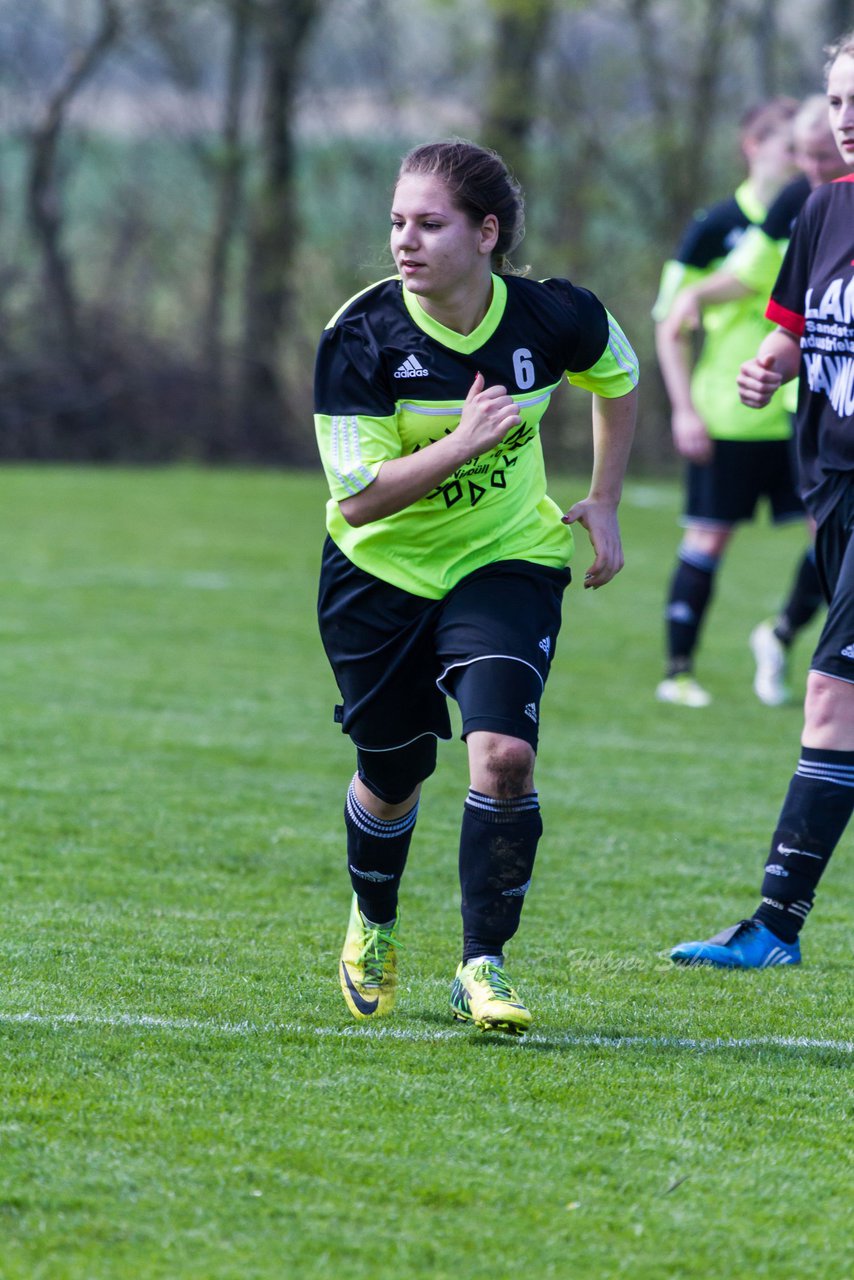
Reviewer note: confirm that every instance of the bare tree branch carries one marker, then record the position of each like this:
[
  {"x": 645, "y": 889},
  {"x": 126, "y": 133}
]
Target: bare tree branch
[{"x": 44, "y": 202}]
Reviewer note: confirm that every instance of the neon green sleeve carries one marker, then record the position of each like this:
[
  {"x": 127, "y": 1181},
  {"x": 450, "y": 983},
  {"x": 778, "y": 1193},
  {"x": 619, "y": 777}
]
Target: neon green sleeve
[
  {"x": 756, "y": 260},
  {"x": 353, "y": 447},
  {"x": 675, "y": 276}
]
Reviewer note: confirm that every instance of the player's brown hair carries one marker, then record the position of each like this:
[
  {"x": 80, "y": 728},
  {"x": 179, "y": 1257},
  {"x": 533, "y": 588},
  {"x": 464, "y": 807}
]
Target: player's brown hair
[
  {"x": 767, "y": 117},
  {"x": 479, "y": 183}
]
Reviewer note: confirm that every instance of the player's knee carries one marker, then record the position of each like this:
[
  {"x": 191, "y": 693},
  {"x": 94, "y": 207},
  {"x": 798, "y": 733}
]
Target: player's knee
[
  {"x": 501, "y": 766},
  {"x": 704, "y": 543},
  {"x": 828, "y": 710}
]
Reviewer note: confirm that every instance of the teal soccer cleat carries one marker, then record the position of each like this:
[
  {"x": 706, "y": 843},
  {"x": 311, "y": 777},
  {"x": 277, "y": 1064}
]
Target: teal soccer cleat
[{"x": 746, "y": 945}]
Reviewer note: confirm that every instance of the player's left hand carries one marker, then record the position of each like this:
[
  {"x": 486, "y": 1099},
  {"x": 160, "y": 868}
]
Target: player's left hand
[{"x": 603, "y": 528}]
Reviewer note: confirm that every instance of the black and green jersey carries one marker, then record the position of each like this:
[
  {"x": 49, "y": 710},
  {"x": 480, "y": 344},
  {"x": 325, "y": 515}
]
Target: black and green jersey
[
  {"x": 758, "y": 256},
  {"x": 732, "y": 331},
  {"x": 389, "y": 380}
]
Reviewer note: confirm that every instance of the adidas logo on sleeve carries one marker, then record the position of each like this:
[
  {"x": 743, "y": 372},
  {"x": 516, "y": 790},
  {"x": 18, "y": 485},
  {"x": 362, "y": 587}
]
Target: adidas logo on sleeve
[{"x": 412, "y": 368}]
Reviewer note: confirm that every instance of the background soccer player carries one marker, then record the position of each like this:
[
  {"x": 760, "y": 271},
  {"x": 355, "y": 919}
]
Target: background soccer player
[
  {"x": 446, "y": 561},
  {"x": 733, "y": 457},
  {"x": 752, "y": 268},
  {"x": 813, "y": 306}
]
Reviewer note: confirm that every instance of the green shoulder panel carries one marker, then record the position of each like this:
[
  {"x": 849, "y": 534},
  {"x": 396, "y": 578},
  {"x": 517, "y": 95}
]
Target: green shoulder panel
[{"x": 615, "y": 372}]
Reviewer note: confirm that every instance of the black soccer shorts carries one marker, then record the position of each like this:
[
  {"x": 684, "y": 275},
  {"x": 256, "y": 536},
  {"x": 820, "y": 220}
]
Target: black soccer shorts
[
  {"x": 834, "y": 548},
  {"x": 488, "y": 643},
  {"x": 728, "y": 489}
]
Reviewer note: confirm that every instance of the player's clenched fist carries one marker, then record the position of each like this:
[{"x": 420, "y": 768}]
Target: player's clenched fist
[
  {"x": 488, "y": 414},
  {"x": 758, "y": 379}
]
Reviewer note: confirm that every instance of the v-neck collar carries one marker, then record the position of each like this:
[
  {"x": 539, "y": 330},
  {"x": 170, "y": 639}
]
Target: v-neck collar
[{"x": 462, "y": 342}]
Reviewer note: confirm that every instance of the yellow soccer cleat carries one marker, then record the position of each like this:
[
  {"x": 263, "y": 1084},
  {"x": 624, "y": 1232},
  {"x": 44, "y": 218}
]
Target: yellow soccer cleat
[
  {"x": 481, "y": 993},
  {"x": 368, "y": 967}
]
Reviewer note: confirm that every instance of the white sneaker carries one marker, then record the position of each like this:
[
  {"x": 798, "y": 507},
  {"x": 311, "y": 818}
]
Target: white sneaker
[
  {"x": 683, "y": 691},
  {"x": 769, "y": 683}
]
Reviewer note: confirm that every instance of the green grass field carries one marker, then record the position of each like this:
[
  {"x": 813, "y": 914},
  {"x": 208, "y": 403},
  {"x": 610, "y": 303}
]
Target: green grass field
[{"x": 183, "y": 1092}]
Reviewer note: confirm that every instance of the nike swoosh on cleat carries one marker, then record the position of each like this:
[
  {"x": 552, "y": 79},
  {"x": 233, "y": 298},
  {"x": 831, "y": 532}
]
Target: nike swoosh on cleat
[{"x": 364, "y": 1006}]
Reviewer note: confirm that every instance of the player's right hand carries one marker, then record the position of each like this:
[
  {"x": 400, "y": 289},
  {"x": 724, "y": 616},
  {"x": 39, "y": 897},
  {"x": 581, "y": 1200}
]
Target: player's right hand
[
  {"x": 488, "y": 414},
  {"x": 758, "y": 379}
]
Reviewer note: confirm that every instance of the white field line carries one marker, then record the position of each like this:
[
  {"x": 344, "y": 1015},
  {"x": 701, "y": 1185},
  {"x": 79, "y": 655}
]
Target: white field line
[{"x": 150, "y": 1022}]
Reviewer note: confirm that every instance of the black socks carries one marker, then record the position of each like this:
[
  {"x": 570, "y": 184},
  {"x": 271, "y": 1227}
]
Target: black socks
[
  {"x": 815, "y": 813},
  {"x": 804, "y": 602},
  {"x": 376, "y": 857},
  {"x": 690, "y": 593},
  {"x": 498, "y": 844}
]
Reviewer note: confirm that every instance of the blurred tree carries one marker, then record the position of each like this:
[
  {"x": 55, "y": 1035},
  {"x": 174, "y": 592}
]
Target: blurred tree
[
  {"x": 685, "y": 101},
  {"x": 839, "y": 18},
  {"x": 228, "y": 166},
  {"x": 766, "y": 40},
  {"x": 521, "y": 29},
  {"x": 265, "y": 413},
  {"x": 157, "y": 174},
  {"x": 45, "y": 206}
]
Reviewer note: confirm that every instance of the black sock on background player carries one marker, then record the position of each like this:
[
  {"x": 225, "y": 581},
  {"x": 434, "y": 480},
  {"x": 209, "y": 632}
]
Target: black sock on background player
[
  {"x": 804, "y": 602},
  {"x": 691, "y": 591},
  {"x": 816, "y": 811}
]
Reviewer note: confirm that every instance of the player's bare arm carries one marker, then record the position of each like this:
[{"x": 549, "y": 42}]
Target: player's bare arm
[
  {"x": 690, "y": 436},
  {"x": 488, "y": 414},
  {"x": 686, "y": 312},
  {"x": 613, "y": 431}
]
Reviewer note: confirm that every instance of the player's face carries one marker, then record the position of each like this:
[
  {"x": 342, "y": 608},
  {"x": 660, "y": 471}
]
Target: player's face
[
  {"x": 818, "y": 156},
  {"x": 442, "y": 256},
  {"x": 773, "y": 156},
  {"x": 840, "y": 102}
]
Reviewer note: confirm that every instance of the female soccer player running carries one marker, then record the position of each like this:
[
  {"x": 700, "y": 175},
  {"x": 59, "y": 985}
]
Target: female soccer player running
[
  {"x": 446, "y": 562},
  {"x": 813, "y": 306}
]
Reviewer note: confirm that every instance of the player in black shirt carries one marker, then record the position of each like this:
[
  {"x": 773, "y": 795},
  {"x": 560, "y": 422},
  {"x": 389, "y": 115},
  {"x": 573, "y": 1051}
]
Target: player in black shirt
[
  {"x": 752, "y": 267},
  {"x": 813, "y": 306}
]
